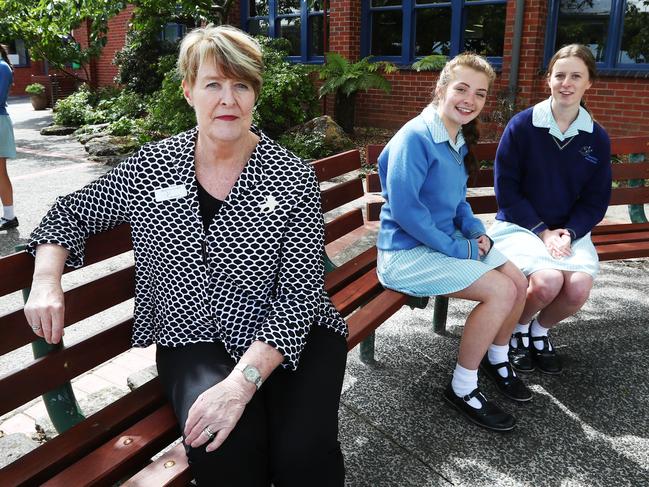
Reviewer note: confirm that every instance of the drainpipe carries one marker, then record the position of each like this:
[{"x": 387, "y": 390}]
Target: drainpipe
[{"x": 516, "y": 50}]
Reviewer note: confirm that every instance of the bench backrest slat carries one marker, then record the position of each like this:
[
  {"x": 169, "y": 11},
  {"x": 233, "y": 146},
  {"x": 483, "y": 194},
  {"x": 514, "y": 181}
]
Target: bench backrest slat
[
  {"x": 63, "y": 365},
  {"x": 20, "y": 266},
  {"x": 343, "y": 224},
  {"x": 337, "y": 165},
  {"x": 80, "y": 302},
  {"x": 341, "y": 194}
]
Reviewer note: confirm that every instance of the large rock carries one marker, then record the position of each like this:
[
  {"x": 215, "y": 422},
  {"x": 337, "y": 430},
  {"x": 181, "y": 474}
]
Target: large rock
[
  {"x": 334, "y": 136},
  {"x": 91, "y": 129},
  {"x": 57, "y": 130},
  {"x": 109, "y": 145}
]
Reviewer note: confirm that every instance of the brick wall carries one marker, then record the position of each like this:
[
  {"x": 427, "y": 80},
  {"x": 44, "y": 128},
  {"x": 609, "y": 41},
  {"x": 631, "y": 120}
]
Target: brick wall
[{"x": 23, "y": 77}]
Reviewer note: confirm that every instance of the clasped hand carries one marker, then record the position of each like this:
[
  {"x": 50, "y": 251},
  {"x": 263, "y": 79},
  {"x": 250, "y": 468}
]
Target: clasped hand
[
  {"x": 558, "y": 242},
  {"x": 219, "y": 409},
  {"x": 484, "y": 245}
]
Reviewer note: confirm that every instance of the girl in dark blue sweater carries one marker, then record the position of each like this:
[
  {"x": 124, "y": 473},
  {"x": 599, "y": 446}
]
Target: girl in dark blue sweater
[{"x": 553, "y": 185}]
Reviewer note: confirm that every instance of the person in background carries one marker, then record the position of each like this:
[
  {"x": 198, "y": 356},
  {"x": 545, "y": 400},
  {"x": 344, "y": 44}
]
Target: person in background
[
  {"x": 553, "y": 185},
  {"x": 228, "y": 237},
  {"x": 431, "y": 244},
  {"x": 7, "y": 143}
]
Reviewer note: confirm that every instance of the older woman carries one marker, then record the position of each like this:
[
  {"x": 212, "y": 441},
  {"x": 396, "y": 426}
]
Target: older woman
[{"x": 228, "y": 240}]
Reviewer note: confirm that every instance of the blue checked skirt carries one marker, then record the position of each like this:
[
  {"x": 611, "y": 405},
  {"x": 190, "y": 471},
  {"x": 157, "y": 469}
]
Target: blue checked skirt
[
  {"x": 529, "y": 254},
  {"x": 7, "y": 143},
  {"x": 422, "y": 271}
]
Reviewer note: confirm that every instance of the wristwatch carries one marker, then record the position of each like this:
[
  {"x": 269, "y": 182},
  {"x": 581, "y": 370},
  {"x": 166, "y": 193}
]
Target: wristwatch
[{"x": 250, "y": 373}]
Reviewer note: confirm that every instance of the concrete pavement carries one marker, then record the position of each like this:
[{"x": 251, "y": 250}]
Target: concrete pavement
[{"x": 588, "y": 427}]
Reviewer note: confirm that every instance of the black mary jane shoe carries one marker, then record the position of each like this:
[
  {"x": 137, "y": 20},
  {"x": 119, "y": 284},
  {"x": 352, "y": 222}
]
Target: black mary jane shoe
[
  {"x": 520, "y": 356},
  {"x": 546, "y": 359},
  {"x": 489, "y": 416},
  {"x": 511, "y": 386},
  {"x": 7, "y": 224}
]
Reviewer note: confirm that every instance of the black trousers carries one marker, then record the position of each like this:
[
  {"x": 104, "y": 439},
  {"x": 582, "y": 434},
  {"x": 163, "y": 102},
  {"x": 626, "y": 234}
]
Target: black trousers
[{"x": 288, "y": 433}]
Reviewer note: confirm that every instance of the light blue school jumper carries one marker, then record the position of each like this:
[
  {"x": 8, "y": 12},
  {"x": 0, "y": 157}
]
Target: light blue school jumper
[{"x": 427, "y": 237}]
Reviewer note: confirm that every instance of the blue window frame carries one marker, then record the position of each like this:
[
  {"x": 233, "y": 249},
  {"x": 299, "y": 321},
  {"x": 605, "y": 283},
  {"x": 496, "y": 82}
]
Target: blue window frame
[
  {"x": 18, "y": 54},
  {"x": 173, "y": 32},
  {"x": 302, "y": 22},
  {"x": 403, "y": 31},
  {"x": 614, "y": 30}
]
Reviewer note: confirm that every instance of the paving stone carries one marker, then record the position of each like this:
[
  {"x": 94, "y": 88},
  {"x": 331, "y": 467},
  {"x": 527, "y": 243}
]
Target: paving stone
[{"x": 14, "y": 446}]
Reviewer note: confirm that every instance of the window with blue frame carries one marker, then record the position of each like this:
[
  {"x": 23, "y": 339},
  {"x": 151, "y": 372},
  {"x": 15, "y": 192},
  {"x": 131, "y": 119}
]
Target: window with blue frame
[
  {"x": 18, "y": 53},
  {"x": 616, "y": 31},
  {"x": 402, "y": 31},
  {"x": 173, "y": 32},
  {"x": 302, "y": 22}
]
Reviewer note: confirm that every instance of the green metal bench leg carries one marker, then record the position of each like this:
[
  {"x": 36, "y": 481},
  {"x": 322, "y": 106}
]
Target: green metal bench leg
[
  {"x": 636, "y": 212},
  {"x": 440, "y": 313},
  {"x": 61, "y": 404},
  {"x": 366, "y": 350}
]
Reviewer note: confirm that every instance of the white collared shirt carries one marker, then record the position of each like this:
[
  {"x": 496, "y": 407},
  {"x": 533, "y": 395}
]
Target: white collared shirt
[
  {"x": 438, "y": 129},
  {"x": 542, "y": 118}
]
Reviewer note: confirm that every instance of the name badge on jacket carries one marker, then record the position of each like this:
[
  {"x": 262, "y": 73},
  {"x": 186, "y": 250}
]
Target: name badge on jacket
[{"x": 170, "y": 193}]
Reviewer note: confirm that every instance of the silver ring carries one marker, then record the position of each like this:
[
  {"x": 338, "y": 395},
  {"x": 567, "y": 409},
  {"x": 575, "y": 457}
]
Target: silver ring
[
  {"x": 36, "y": 327},
  {"x": 210, "y": 434}
]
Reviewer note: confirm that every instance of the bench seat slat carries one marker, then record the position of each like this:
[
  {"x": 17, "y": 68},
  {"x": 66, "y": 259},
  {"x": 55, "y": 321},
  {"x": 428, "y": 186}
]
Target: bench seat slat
[
  {"x": 623, "y": 251},
  {"x": 341, "y": 194},
  {"x": 124, "y": 453},
  {"x": 343, "y": 224},
  {"x": 63, "y": 365},
  {"x": 357, "y": 293},
  {"x": 629, "y": 196},
  {"x": 347, "y": 272},
  {"x": 627, "y": 237},
  {"x": 62, "y": 451},
  {"x": 162, "y": 472},
  {"x": 80, "y": 303},
  {"x": 620, "y": 228},
  {"x": 371, "y": 315},
  {"x": 630, "y": 170}
]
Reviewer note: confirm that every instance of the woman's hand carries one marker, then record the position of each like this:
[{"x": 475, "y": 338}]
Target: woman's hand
[
  {"x": 45, "y": 308},
  {"x": 558, "y": 242},
  {"x": 484, "y": 245},
  {"x": 218, "y": 408}
]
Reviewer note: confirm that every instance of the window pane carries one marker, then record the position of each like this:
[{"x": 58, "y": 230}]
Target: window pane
[
  {"x": 424, "y": 2},
  {"x": 17, "y": 52},
  {"x": 288, "y": 7},
  {"x": 316, "y": 36},
  {"x": 316, "y": 6},
  {"x": 173, "y": 32},
  {"x": 289, "y": 28},
  {"x": 258, "y": 8},
  {"x": 584, "y": 22},
  {"x": 484, "y": 31},
  {"x": 386, "y": 33},
  {"x": 258, "y": 27},
  {"x": 433, "y": 34},
  {"x": 635, "y": 36},
  {"x": 385, "y": 3}
]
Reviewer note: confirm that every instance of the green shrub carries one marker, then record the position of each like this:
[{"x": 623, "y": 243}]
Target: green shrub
[
  {"x": 138, "y": 61},
  {"x": 35, "y": 89},
  {"x": 306, "y": 146},
  {"x": 123, "y": 126},
  {"x": 288, "y": 97},
  {"x": 126, "y": 104},
  {"x": 74, "y": 110},
  {"x": 169, "y": 112}
]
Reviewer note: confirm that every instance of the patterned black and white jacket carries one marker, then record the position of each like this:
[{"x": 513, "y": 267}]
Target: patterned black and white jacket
[{"x": 257, "y": 274}]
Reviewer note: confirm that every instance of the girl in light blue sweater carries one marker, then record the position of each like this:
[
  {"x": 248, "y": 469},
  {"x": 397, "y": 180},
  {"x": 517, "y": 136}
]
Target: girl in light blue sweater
[{"x": 430, "y": 243}]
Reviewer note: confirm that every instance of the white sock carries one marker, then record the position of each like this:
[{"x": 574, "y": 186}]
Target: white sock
[
  {"x": 8, "y": 212},
  {"x": 464, "y": 382},
  {"x": 497, "y": 354},
  {"x": 520, "y": 328},
  {"x": 538, "y": 330}
]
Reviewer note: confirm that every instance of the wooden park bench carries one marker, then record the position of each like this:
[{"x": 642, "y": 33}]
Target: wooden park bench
[
  {"x": 116, "y": 444},
  {"x": 613, "y": 242}
]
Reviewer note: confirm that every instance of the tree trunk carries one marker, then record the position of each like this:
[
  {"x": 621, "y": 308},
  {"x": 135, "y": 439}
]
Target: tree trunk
[{"x": 344, "y": 111}]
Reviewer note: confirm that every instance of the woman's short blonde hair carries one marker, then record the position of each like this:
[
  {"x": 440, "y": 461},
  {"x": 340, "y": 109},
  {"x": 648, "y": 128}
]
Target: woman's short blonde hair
[{"x": 234, "y": 52}]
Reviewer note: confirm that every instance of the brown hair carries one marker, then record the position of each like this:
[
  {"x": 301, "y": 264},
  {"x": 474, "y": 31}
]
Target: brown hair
[
  {"x": 236, "y": 54},
  {"x": 579, "y": 51},
  {"x": 5, "y": 56},
  {"x": 470, "y": 131}
]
